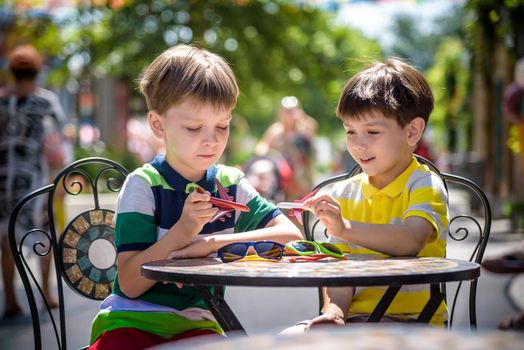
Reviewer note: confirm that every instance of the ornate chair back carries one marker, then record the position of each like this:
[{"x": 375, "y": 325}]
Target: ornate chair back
[{"x": 84, "y": 253}]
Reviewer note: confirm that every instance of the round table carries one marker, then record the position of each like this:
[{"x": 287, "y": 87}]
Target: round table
[{"x": 356, "y": 270}]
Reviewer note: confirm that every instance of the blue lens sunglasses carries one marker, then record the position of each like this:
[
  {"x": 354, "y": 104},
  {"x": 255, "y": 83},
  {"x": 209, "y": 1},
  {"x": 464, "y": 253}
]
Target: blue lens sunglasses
[{"x": 238, "y": 250}]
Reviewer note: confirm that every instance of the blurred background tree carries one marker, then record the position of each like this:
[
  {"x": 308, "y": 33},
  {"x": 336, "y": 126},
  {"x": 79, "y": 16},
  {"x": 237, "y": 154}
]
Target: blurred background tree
[
  {"x": 98, "y": 49},
  {"x": 276, "y": 48},
  {"x": 443, "y": 55},
  {"x": 496, "y": 41}
]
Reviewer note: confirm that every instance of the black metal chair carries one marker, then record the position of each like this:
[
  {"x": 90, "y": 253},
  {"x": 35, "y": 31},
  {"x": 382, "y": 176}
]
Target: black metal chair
[
  {"x": 84, "y": 253},
  {"x": 460, "y": 227}
]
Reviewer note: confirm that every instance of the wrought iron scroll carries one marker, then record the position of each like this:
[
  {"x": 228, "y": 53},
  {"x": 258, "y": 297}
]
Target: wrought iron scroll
[
  {"x": 464, "y": 231},
  {"x": 41, "y": 249},
  {"x": 112, "y": 184},
  {"x": 47, "y": 250}
]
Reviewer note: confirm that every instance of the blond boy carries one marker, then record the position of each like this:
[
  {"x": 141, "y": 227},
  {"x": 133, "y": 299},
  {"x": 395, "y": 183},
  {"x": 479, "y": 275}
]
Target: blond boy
[{"x": 190, "y": 94}]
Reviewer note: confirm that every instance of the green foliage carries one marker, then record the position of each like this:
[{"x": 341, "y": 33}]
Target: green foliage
[
  {"x": 276, "y": 48},
  {"x": 124, "y": 157},
  {"x": 449, "y": 79},
  {"x": 496, "y": 21},
  {"x": 444, "y": 58},
  {"x": 418, "y": 46},
  {"x": 514, "y": 209}
]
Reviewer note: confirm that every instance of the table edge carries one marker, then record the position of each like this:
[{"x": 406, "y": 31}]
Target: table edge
[{"x": 470, "y": 272}]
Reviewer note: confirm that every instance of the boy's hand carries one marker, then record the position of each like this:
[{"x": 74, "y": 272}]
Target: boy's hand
[
  {"x": 327, "y": 210},
  {"x": 325, "y": 319},
  {"x": 197, "y": 212},
  {"x": 199, "y": 248}
]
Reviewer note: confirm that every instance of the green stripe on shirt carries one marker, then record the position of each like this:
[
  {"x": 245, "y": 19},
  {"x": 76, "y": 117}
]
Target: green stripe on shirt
[
  {"x": 135, "y": 227},
  {"x": 152, "y": 176},
  {"x": 259, "y": 208}
]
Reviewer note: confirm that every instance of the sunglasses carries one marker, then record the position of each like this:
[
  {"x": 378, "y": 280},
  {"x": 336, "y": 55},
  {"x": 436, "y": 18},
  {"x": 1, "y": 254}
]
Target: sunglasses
[
  {"x": 315, "y": 250},
  {"x": 238, "y": 250}
]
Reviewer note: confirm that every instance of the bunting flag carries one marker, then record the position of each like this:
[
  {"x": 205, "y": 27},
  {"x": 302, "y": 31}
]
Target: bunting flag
[
  {"x": 48, "y": 7},
  {"x": 42, "y": 8},
  {"x": 336, "y": 4}
]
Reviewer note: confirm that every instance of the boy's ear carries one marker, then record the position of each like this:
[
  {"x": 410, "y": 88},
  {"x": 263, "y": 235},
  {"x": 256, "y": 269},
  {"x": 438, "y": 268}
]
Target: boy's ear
[
  {"x": 415, "y": 131},
  {"x": 156, "y": 123}
]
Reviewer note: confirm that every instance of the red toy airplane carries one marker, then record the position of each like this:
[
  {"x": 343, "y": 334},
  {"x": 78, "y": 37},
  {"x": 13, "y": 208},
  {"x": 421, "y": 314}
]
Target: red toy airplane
[
  {"x": 224, "y": 204},
  {"x": 296, "y": 208}
]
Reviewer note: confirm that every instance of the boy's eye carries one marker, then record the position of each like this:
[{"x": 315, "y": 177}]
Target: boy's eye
[
  {"x": 350, "y": 132},
  {"x": 224, "y": 128},
  {"x": 193, "y": 129},
  {"x": 373, "y": 132}
]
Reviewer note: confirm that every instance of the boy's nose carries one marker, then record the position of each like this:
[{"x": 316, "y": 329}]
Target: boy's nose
[
  {"x": 360, "y": 143},
  {"x": 210, "y": 139}
]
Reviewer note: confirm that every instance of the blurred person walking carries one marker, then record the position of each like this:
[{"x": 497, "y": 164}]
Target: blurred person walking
[
  {"x": 514, "y": 106},
  {"x": 291, "y": 136},
  {"x": 31, "y": 145},
  {"x": 513, "y": 262}
]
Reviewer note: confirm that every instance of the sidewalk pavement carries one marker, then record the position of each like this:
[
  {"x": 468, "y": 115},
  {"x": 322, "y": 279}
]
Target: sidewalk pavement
[{"x": 277, "y": 308}]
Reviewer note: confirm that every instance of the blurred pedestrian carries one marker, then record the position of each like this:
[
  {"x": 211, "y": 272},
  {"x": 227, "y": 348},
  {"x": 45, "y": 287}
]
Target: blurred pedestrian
[
  {"x": 423, "y": 149},
  {"x": 31, "y": 119},
  {"x": 513, "y": 262},
  {"x": 509, "y": 263},
  {"x": 514, "y": 106},
  {"x": 292, "y": 136}
]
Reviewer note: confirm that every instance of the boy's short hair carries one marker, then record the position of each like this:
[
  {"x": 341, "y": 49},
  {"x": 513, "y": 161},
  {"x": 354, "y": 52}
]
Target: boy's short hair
[
  {"x": 183, "y": 72},
  {"x": 394, "y": 87}
]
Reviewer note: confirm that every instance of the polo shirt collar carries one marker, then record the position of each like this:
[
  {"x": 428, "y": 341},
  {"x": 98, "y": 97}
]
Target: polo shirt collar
[
  {"x": 394, "y": 188},
  {"x": 177, "y": 181}
]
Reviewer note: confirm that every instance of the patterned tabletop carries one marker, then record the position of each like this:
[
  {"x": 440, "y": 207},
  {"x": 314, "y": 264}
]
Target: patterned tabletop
[
  {"x": 361, "y": 270},
  {"x": 363, "y": 337}
]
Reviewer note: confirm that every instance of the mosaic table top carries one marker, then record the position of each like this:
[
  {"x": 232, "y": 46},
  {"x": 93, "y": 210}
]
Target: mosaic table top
[{"x": 358, "y": 270}]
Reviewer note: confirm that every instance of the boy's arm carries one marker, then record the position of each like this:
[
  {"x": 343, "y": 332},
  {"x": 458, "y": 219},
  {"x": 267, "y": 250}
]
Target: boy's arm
[
  {"x": 336, "y": 304},
  {"x": 266, "y": 142},
  {"x": 404, "y": 239},
  {"x": 279, "y": 229},
  {"x": 196, "y": 213},
  {"x": 130, "y": 280}
]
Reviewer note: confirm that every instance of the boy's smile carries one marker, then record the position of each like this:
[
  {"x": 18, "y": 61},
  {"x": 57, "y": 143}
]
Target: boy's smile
[
  {"x": 195, "y": 136},
  {"x": 380, "y": 146}
]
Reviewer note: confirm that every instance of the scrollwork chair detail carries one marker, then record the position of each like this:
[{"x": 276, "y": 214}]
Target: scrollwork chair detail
[
  {"x": 84, "y": 253},
  {"x": 477, "y": 230}
]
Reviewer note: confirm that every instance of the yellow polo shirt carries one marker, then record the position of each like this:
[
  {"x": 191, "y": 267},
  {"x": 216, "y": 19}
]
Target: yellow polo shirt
[{"x": 415, "y": 192}]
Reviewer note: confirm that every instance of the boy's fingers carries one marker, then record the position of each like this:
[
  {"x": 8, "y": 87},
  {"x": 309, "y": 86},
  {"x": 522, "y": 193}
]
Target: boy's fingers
[
  {"x": 321, "y": 197},
  {"x": 202, "y": 205},
  {"x": 327, "y": 205},
  {"x": 206, "y": 213},
  {"x": 312, "y": 203},
  {"x": 179, "y": 285},
  {"x": 327, "y": 199},
  {"x": 308, "y": 203},
  {"x": 308, "y": 326},
  {"x": 199, "y": 197}
]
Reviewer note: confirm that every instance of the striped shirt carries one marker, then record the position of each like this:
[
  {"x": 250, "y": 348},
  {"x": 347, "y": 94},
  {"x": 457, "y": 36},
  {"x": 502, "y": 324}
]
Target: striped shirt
[
  {"x": 415, "y": 192},
  {"x": 149, "y": 204}
]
